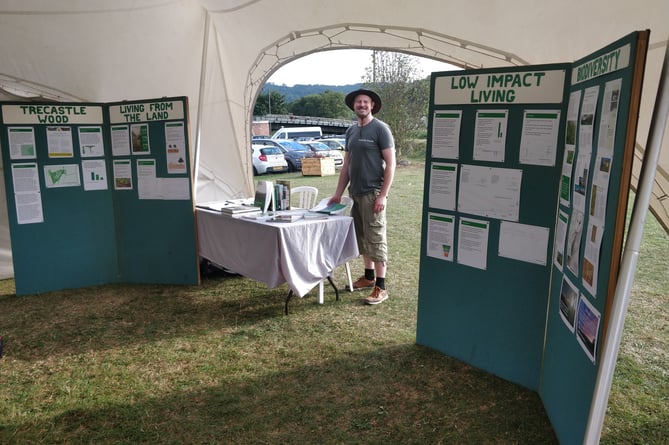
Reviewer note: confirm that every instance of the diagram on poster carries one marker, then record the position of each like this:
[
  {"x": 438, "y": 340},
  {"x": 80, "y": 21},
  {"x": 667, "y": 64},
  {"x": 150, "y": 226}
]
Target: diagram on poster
[
  {"x": 63, "y": 175},
  {"x": 91, "y": 142},
  {"x": 95, "y": 174}
]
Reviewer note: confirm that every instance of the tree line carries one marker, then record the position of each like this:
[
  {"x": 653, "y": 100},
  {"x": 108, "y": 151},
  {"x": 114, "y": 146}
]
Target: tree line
[{"x": 394, "y": 76}]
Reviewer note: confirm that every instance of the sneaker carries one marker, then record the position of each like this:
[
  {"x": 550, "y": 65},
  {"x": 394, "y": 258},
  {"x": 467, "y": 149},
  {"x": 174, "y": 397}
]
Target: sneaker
[
  {"x": 363, "y": 283},
  {"x": 377, "y": 296}
]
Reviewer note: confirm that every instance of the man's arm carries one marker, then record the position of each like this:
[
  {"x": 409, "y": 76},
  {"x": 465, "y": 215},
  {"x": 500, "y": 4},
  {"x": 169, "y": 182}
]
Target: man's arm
[
  {"x": 388, "y": 176},
  {"x": 342, "y": 182}
]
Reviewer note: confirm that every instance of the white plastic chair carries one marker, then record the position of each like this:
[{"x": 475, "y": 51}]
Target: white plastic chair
[
  {"x": 345, "y": 211},
  {"x": 305, "y": 196}
]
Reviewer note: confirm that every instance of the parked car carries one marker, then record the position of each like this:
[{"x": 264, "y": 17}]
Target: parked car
[
  {"x": 334, "y": 143},
  {"x": 321, "y": 150},
  {"x": 292, "y": 151},
  {"x": 267, "y": 159}
]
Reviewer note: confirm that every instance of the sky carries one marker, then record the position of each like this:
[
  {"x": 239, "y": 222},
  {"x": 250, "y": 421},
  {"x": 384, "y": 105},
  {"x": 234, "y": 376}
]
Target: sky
[{"x": 338, "y": 67}]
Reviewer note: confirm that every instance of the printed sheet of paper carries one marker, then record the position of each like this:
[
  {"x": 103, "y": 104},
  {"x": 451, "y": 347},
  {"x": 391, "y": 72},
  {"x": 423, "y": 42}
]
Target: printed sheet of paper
[
  {"x": 490, "y": 135},
  {"x": 90, "y": 142},
  {"x": 446, "y": 134},
  {"x": 523, "y": 242},
  {"x": 570, "y": 148},
  {"x": 443, "y": 183},
  {"x": 122, "y": 174},
  {"x": 95, "y": 174},
  {"x": 59, "y": 141},
  {"x": 440, "y": 231},
  {"x": 27, "y": 194},
  {"x": 473, "y": 243},
  {"x": 490, "y": 192},
  {"x": 21, "y": 143},
  {"x": 120, "y": 140},
  {"x": 64, "y": 175},
  {"x": 148, "y": 185},
  {"x": 538, "y": 142},
  {"x": 560, "y": 238},
  {"x": 582, "y": 172},
  {"x": 593, "y": 244},
  {"x": 175, "y": 140}
]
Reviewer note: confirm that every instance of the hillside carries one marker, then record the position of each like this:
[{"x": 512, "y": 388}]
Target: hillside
[{"x": 297, "y": 91}]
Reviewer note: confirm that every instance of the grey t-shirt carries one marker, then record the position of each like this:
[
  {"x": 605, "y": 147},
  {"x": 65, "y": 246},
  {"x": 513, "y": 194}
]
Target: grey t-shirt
[{"x": 366, "y": 165}]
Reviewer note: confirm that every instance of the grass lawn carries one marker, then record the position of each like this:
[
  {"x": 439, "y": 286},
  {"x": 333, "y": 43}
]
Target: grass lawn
[{"x": 220, "y": 363}]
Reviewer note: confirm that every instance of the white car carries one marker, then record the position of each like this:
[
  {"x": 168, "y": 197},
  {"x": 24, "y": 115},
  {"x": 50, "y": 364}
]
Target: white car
[
  {"x": 267, "y": 159},
  {"x": 334, "y": 143},
  {"x": 321, "y": 150}
]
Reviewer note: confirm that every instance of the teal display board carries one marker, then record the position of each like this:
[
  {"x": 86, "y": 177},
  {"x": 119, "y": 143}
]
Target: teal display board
[
  {"x": 605, "y": 90},
  {"x": 483, "y": 187},
  {"x": 526, "y": 184},
  {"x": 92, "y": 200}
]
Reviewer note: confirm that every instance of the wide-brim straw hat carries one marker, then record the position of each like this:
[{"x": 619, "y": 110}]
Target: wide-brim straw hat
[{"x": 350, "y": 99}]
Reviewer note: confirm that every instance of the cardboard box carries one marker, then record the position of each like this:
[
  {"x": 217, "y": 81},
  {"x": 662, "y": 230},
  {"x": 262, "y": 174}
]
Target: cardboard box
[{"x": 318, "y": 167}]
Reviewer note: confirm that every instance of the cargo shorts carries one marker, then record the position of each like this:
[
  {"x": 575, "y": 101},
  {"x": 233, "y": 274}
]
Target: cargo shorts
[{"x": 370, "y": 227}]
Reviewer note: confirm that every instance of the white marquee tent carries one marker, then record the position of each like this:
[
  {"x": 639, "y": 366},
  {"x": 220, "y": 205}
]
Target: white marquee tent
[{"x": 219, "y": 53}]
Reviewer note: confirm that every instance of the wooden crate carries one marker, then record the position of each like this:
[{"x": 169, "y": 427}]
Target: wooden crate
[{"x": 318, "y": 167}]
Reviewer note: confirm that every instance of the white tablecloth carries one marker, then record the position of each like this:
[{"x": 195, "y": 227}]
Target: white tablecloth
[{"x": 300, "y": 253}]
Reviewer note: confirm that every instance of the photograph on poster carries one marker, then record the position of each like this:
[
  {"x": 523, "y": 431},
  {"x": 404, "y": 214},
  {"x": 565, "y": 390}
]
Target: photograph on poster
[
  {"x": 139, "y": 134},
  {"x": 568, "y": 303},
  {"x": 587, "y": 326}
]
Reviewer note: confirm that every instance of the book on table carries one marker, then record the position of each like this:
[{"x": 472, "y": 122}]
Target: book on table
[{"x": 239, "y": 209}]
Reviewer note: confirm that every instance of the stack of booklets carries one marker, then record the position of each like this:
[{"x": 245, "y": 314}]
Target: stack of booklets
[
  {"x": 287, "y": 217},
  {"x": 239, "y": 209}
]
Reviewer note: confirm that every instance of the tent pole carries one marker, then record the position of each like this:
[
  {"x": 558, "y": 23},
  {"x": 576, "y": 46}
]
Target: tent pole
[
  {"x": 625, "y": 280},
  {"x": 200, "y": 105}
]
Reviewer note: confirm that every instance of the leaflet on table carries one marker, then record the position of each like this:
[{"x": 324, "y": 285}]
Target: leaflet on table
[{"x": 328, "y": 209}]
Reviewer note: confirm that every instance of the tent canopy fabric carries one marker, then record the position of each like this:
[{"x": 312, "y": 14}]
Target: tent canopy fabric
[{"x": 219, "y": 53}]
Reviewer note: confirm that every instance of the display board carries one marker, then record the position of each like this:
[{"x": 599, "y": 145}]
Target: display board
[
  {"x": 526, "y": 185},
  {"x": 98, "y": 193}
]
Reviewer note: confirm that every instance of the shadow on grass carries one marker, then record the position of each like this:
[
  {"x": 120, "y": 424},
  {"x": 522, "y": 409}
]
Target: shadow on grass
[
  {"x": 405, "y": 394},
  {"x": 247, "y": 377}
]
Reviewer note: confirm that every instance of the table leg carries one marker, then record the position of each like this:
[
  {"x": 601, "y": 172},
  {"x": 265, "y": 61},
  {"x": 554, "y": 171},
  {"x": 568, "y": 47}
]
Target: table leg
[{"x": 290, "y": 294}]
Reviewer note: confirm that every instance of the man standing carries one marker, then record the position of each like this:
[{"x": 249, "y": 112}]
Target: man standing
[{"x": 369, "y": 166}]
